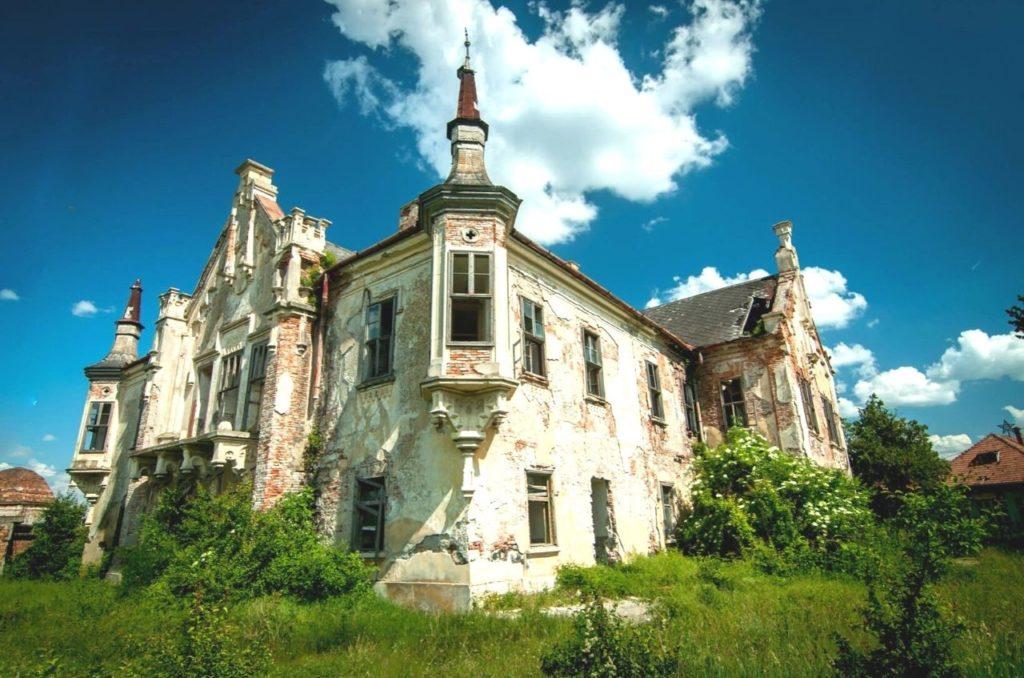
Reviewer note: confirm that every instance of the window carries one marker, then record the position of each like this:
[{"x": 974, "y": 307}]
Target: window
[
  {"x": 533, "y": 338},
  {"x": 985, "y": 458},
  {"x": 205, "y": 375},
  {"x": 690, "y": 404},
  {"x": 470, "y": 297},
  {"x": 808, "y": 398},
  {"x": 371, "y": 501},
  {"x": 733, "y": 405},
  {"x": 96, "y": 426},
  {"x": 227, "y": 395},
  {"x": 830, "y": 421},
  {"x": 380, "y": 327},
  {"x": 654, "y": 391},
  {"x": 668, "y": 511},
  {"x": 541, "y": 515},
  {"x": 592, "y": 363},
  {"x": 257, "y": 375}
]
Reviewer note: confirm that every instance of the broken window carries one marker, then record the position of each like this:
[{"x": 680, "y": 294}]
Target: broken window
[
  {"x": 470, "y": 297},
  {"x": 985, "y": 458},
  {"x": 96, "y": 426},
  {"x": 541, "y": 513},
  {"x": 380, "y": 325},
  {"x": 690, "y": 404},
  {"x": 654, "y": 391},
  {"x": 733, "y": 405},
  {"x": 592, "y": 364},
  {"x": 230, "y": 379},
  {"x": 257, "y": 375},
  {"x": 830, "y": 421},
  {"x": 808, "y": 397},
  {"x": 533, "y": 338},
  {"x": 668, "y": 511},
  {"x": 371, "y": 502}
]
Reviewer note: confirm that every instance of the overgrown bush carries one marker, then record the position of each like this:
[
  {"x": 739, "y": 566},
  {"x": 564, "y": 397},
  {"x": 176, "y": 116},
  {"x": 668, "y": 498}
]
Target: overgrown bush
[
  {"x": 602, "y": 644},
  {"x": 56, "y": 549},
  {"x": 749, "y": 497},
  {"x": 913, "y": 633},
  {"x": 222, "y": 547}
]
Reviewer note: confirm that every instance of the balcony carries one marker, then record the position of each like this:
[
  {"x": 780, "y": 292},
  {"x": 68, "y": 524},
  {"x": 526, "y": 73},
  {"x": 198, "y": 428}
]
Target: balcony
[{"x": 209, "y": 452}]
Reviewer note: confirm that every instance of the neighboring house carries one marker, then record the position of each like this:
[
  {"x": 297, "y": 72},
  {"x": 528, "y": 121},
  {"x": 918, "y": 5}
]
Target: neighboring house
[
  {"x": 488, "y": 412},
  {"x": 993, "y": 469},
  {"x": 24, "y": 495}
]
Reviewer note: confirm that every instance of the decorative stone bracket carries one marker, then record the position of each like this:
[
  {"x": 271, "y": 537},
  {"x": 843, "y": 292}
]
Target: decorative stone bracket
[{"x": 467, "y": 407}]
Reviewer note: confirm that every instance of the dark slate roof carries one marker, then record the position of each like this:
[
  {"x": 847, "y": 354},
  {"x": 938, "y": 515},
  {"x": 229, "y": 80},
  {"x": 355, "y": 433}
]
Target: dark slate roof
[{"x": 717, "y": 316}]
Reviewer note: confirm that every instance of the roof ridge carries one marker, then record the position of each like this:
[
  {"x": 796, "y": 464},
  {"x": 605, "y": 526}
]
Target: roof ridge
[{"x": 717, "y": 289}]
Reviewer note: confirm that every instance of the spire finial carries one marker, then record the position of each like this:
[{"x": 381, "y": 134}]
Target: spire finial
[{"x": 466, "y": 31}]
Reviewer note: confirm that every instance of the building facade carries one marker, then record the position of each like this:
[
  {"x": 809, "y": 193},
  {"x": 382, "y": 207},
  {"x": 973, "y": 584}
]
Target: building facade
[
  {"x": 993, "y": 471},
  {"x": 483, "y": 411},
  {"x": 24, "y": 496}
]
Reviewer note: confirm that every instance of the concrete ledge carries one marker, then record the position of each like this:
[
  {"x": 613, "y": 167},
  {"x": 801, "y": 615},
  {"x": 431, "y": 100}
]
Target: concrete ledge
[{"x": 427, "y": 595}]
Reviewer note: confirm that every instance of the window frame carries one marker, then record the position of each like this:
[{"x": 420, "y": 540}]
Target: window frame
[
  {"x": 531, "y": 338},
  {"x": 655, "y": 397},
  {"x": 668, "y": 513},
  {"x": 256, "y": 374},
  {"x": 546, "y": 497},
  {"x": 690, "y": 409},
  {"x": 807, "y": 395},
  {"x": 486, "y": 299},
  {"x": 589, "y": 365},
  {"x": 89, "y": 429},
  {"x": 369, "y": 374},
  {"x": 228, "y": 360},
  {"x": 729, "y": 407},
  {"x": 377, "y": 506},
  {"x": 830, "y": 422}
]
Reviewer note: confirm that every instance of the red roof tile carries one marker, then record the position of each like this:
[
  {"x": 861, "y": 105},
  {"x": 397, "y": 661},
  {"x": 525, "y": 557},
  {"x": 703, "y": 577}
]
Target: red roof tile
[
  {"x": 20, "y": 486},
  {"x": 1006, "y": 468}
]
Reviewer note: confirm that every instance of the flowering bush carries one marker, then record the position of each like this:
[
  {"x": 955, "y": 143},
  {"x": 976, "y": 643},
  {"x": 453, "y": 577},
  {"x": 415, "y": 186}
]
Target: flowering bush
[{"x": 748, "y": 495}]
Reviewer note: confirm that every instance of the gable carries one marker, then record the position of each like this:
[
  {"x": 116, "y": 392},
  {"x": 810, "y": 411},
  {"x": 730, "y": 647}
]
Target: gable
[{"x": 993, "y": 460}]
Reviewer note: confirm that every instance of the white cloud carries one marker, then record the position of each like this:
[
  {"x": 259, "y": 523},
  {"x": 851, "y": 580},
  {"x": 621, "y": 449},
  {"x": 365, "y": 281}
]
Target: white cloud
[
  {"x": 649, "y": 225},
  {"x": 907, "y": 386},
  {"x": 4, "y": 466},
  {"x": 7, "y": 294},
  {"x": 832, "y": 304},
  {"x": 981, "y": 356},
  {"x": 1015, "y": 412},
  {"x": 950, "y": 445},
  {"x": 856, "y": 356},
  {"x": 568, "y": 117},
  {"x": 658, "y": 10},
  {"x": 84, "y": 309},
  {"x": 873, "y": 323},
  {"x": 708, "y": 279},
  {"x": 49, "y": 438},
  {"x": 848, "y": 409}
]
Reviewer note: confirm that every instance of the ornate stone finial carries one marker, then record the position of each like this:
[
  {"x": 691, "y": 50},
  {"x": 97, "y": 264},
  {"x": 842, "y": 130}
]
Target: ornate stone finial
[
  {"x": 785, "y": 257},
  {"x": 466, "y": 63}
]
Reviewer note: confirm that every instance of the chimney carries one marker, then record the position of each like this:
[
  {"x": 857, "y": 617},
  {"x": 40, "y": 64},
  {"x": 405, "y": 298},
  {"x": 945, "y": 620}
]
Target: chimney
[{"x": 252, "y": 172}]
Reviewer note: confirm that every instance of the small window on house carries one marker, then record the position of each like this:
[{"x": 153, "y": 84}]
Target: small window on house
[
  {"x": 690, "y": 404},
  {"x": 371, "y": 502},
  {"x": 808, "y": 397},
  {"x": 985, "y": 458},
  {"x": 257, "y": 376},
  {"x": 830, "y": 421},
  {"x": 733, "y": 404},
  {"x": 533, "y": 338},
  {"x": 96, "y": 426},
  {"x": 380, "y": 326},
  {"x": 654, "y": 391},
  {"x": 470, "y": 297},
  {"x": 230, "y": 379},
  {"x": 541, "y": 513},
  {"x": 592, "y": 364},
  {"x": 202, "y": 397},
  {"x": 668, "y": 511}
]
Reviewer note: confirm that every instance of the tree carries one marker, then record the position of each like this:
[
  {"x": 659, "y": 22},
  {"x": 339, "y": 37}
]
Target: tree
[
  {"x": 892, "y": 456},
  {"x": 1016, "y": 314},
  {"x": 56, "y": 550}
]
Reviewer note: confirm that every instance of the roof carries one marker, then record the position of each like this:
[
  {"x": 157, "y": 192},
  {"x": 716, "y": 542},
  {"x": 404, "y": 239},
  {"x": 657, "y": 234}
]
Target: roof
[
  {"x": 20, "y": 486},
  {"x": 975, "y": 466},
  {"x": 717, "y": 316}
]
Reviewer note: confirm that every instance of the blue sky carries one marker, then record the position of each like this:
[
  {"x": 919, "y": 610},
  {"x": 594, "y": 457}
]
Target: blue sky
[{"x": 886, "y": 131}]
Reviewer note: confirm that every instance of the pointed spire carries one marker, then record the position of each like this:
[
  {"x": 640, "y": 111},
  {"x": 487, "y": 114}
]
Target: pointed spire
[
  {"x": 467, "y": 109},
  {"x": 127, "y": 330},
  {"x": 467, "y": 132},
  {"x": 133, "y": 310}
]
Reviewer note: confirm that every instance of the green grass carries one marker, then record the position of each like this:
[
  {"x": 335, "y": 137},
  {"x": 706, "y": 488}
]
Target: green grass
[{"x": 736, "y": 623}]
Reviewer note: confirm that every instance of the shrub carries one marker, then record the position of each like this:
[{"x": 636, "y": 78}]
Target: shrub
[
  {"x": 221, "y": 546},
  {"x": 603, "y": 645},
  {"x": 56, "y": 549},
  {"x": 748, "y": 495}
]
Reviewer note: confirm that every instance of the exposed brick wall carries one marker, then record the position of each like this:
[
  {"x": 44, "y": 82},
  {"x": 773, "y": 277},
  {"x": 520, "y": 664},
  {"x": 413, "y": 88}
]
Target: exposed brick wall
[
  {"x": 283, "y": 435},
  {"x": 463, "y": 361}
]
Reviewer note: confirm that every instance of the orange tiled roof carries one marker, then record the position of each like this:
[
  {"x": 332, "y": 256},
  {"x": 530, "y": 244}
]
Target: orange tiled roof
[
  {"x": 1008, "y": 468},
  {"x": 21, "y": 486}
]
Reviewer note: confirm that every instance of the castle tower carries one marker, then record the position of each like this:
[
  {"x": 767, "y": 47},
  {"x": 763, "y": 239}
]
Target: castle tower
[{"x": 467, "y": 131}]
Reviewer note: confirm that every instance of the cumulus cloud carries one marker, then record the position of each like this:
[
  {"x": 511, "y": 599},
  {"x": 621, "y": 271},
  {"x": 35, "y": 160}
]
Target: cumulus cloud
[
  {"x": 907, "y": 386},
  {"x": 1015, "y": 412},
  {"x": 949, "y": 446},
  {"x": 981, "y": 356},
  {"x": 568, "y": 117},
  {"x": 4, "y": 466},
  {"x": 708, "y": 279},
  {"x": 848, "y": 409},
  {"x": 832, "y": 304},
  {"x": 7, "y": 294},
  {"x": 658, "y": 10},
  {"x": 855, "y": 356},
  {"x": 84, "y": 309}
]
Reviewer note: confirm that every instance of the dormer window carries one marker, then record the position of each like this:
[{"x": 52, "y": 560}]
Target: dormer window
[
  {"x": 985, "y": 458},
  {"x": 96, "y": 426},
  {"x": 470, "y": 316}
]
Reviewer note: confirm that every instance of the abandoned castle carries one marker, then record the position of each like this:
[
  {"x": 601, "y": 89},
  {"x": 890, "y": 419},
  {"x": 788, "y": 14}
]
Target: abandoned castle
[{"x": 487, "y": 412}]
